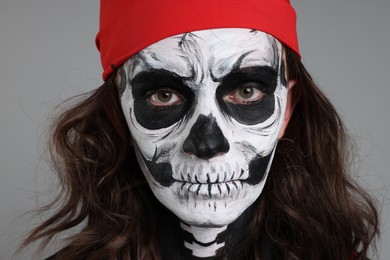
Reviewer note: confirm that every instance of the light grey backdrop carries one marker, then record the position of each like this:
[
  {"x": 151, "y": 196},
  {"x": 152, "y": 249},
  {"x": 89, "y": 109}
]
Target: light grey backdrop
[{"x": 47, "y": 54}]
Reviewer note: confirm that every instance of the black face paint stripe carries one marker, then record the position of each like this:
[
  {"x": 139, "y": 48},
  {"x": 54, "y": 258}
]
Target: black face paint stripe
[
  {"x": 183, "y": 38},
  {"x": 236, "y": 67},
  {"x": 275, "y": 48},
  {"x": 258, "y": 168},
  {"x": 283, "y": 79},
  {"x": 161, "y": 172},
  {"x": 122, "y": 84},
  {"x": 190, "y": 48}
]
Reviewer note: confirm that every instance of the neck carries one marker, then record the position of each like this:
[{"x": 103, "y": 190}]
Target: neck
[{"x": 179, "y": 241}]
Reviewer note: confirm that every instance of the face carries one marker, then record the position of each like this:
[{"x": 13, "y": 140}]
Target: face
[{"x": 205, "y": 110}]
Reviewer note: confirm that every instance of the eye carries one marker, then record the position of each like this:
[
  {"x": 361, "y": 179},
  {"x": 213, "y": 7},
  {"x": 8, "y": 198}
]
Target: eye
[
  {"x": 164, "y": 97},
  {"x": 247, "y": 93}
]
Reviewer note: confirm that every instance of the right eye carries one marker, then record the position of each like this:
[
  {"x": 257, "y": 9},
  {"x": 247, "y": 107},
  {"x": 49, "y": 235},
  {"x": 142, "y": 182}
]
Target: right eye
[{"x": 164, "y": 97}]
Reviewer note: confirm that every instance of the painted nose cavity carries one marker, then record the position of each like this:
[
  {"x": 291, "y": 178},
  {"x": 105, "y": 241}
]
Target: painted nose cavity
[{"x": 206, "y": 139}]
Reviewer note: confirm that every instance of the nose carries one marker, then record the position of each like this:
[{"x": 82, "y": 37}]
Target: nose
[{"x": 206, "y": 139}]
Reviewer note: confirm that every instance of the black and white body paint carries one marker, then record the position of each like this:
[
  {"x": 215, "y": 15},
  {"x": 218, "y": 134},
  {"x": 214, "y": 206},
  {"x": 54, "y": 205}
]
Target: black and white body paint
[{"x": 205, "y": 110}]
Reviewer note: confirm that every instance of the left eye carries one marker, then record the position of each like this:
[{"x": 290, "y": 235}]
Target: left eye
[
  {"x": 245, "y": 94},
  {"x": 164, "y": 97}
]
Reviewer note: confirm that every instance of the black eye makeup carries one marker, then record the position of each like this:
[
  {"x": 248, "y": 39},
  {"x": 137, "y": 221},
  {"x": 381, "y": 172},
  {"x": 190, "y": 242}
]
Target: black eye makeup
[
  {"x": 160, "y": 98},
  {"x": 247, "y": 94}
]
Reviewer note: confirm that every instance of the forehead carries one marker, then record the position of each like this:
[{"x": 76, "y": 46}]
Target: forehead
[{"x": 217, "y": 49}]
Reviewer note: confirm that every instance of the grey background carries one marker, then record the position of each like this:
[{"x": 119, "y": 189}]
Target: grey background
[{"x": 47, "y": 54}]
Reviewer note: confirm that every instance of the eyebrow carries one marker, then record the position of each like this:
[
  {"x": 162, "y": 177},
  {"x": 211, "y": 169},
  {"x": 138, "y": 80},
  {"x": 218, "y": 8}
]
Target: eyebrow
[
  {"x": 161, "y": 76},
  {"x": 267, "y": 76},
  {"x": 157, "y": 78}
]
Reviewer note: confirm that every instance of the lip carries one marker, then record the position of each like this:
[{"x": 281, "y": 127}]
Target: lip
[{"x": 212, "y": 190}]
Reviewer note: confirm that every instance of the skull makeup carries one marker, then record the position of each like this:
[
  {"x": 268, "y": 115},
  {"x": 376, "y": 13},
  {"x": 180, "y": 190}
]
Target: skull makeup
[{"x": 204, "y": 110}]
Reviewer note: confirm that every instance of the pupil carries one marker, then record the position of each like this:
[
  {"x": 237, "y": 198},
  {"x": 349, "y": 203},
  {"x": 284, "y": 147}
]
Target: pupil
[
  {"x": 164, "y": 96},
  {"x": 246, "y": 92}
]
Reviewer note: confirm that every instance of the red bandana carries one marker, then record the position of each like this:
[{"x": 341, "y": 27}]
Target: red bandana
[{"x": 128, "y": 26}]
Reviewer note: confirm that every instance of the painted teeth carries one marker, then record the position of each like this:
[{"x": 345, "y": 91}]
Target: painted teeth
[
  {"x": 212, "y": 189},
  {"x": 219, "y": 178},
  {"x": 203, "y": 173}
]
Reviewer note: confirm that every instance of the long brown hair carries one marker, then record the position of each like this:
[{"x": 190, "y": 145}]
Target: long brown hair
[
  {"x": 310, "y": 208},
  {"x": 313, "y": 208}
]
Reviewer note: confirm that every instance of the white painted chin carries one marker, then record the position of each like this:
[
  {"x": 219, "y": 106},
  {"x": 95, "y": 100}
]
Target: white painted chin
[{"x": 196, "y": 207}]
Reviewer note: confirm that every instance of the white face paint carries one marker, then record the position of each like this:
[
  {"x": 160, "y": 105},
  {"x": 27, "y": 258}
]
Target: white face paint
[{"x": 204, "y": 110}]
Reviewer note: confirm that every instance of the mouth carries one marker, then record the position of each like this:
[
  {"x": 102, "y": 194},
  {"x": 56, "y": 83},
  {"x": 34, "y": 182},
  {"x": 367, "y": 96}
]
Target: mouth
[
  {"x": 211, "y": 190},
  {"x": 222, "y": 182},
  {"x": 222, "y": 185}
]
